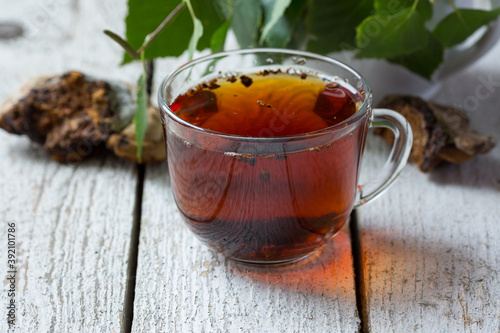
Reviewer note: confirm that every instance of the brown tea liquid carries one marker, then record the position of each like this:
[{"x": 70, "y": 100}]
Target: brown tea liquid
[{"x": 265, "y": 202}]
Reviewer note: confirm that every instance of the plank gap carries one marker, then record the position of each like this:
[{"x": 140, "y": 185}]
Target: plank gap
[
  {"x": 359, "y": 281},
  {"x": 128, "y": 304}
]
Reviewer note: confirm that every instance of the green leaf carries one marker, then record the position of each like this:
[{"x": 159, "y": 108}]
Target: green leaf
[
  {"x": 287, "y": 26},
  {"x": 424, "y": 61},
  {"x": 145, "y": 16},
  {"x": 197, "y": 30},
  {"x": 141, "y": 114},
  {"x": 211, "y": 18},
  {"x": 425, "y": 8},
  {"x": 247, "y": 18},
  {"x": 332, "y": 25},
  {"x": 273, "y": 12},
  {"x": 219, "y": 37},
  {"x": 299, "y": 36},
  {"x": 380, "y": 36},
  {"x": 391, "y": 7},
  {"x": 456, "y": 27}
]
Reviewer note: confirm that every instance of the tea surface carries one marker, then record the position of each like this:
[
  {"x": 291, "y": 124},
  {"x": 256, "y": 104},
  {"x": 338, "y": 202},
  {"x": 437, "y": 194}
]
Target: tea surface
[{"x": 267, "y": 104}]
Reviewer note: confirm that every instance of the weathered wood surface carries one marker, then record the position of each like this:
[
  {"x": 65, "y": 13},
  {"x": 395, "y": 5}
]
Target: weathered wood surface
[
  {"x": 431, "y": 244},
  {"x": 182, "y": 286},
  {"x": 73, "y": 222},
  {"x": 73, "y": 230}
]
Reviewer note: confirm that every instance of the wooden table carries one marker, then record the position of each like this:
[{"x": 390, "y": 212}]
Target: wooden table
[{"x": 93, "y": 255}]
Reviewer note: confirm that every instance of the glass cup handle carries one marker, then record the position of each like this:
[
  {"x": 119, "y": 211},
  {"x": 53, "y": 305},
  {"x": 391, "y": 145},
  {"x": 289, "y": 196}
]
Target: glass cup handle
[{"x": 403, "y": 139}]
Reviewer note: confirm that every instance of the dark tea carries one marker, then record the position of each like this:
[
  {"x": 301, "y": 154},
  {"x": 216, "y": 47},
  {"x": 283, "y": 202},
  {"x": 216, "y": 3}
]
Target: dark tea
[{"x": 273, "y": 202}]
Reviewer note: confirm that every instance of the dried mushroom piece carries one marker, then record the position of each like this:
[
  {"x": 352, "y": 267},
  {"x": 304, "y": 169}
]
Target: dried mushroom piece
[
  {"x": 440, "y": 133},
  {"x": 124, "y": 144},
  {"x": 69, "y": 114}
]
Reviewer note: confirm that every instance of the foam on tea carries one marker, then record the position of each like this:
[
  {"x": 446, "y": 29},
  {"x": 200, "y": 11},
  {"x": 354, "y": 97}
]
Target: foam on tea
[
  {"x": 254, "y": 205},
  {"x": 267, "y": 103}
]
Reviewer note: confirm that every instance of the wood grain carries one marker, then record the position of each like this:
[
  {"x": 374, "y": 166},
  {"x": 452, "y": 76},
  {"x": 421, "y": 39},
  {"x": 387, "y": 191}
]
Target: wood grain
[
  {"x": 73, "y": 221},
  {"x": 431, "y": 244},
  {"x": 182, "y": 286},
  {"x": 73, "y": 226}
]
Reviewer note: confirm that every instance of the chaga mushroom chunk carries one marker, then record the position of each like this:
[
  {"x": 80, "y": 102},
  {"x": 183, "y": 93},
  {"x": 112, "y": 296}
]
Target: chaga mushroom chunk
[
  {"x": 124, "y": 144},
  {"x": 69, "y": 114},
  {"x": 440, "y": 133}
]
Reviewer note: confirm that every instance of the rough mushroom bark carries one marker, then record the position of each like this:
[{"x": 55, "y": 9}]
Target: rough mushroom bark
[
  {"x": 124, "y": 144},
  {"x": 440, "y": 133},
  {"x": 72, "y": 115}
]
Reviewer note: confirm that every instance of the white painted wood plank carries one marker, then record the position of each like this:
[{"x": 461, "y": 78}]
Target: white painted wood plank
[
  {"x": 431, "y": 244},
  {"x": 73, "y": 226},
  {"x": 73, "y": 221},
  {"x": 182, "y": 286}
]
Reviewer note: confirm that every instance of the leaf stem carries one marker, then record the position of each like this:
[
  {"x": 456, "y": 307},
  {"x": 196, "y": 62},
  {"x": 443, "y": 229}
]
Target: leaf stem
[
  {"x": 160, "y": 28},
  {"x": 150, "y": 65},
  {"x": 123, "y": 43},
  {"x": 414, "y": 6},
  {"x": 455, "y": 9}
]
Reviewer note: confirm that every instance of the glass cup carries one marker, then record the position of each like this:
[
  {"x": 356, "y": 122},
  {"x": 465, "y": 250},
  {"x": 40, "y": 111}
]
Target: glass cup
[{"x": 273, "y": 200}]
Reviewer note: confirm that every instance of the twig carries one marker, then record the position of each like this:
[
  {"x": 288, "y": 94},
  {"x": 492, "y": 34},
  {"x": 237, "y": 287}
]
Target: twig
[
  {"x": 150, "y": 66},
  {"x": 160, "y": 27},
  {"x": 129, "y": 49}
]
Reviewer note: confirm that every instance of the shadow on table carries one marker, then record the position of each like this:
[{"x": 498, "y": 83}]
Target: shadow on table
[
  {"x": 22, "y": 149},
  {"x": 482, "y": 172}
]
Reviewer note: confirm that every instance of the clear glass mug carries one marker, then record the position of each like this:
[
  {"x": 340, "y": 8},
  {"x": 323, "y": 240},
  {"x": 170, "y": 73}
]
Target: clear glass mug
[{"x": 273, "y": 200}]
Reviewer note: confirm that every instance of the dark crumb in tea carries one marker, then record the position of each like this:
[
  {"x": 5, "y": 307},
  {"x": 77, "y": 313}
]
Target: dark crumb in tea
[
  {"x": 269, "y": 71},
  {"x": 264, "y": 175},
  {"x": 213, "y": 84},
  {"x": 232, "y": 79},
  {"x": 298, "y": 72},
  {"x": 247, "y": 82},
  {"x": 246, "y": 158},
  {"x": 273, "y": 157},
  {"x": 250, "y": 160},
  {"x": 316, "y": 148},
  {"x": 263, "y": 104}
]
